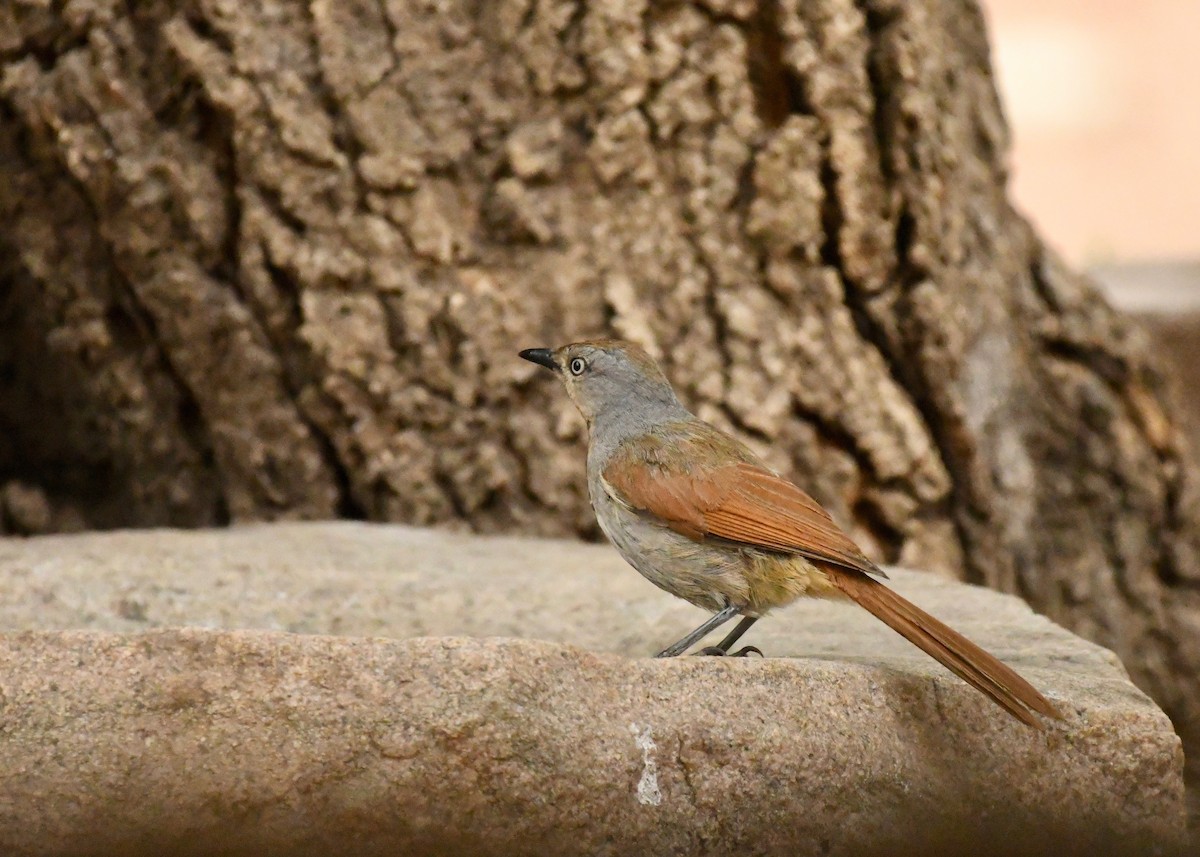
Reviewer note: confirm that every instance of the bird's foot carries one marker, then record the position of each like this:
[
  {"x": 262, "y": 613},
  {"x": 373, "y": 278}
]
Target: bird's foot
[{"x": 717, "y": 651}]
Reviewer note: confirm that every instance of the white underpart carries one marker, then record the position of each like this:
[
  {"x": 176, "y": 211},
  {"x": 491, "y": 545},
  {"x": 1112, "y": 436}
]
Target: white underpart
[{"x": 648, "y": 792}]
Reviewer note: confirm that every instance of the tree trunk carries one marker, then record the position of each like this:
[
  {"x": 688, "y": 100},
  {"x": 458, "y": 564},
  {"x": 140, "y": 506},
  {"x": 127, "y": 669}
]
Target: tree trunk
[{"x": 275, "y": 260}]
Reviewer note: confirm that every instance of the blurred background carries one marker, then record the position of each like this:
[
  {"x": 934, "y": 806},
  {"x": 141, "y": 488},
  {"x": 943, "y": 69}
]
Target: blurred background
[
  {"x": 1104, "y": 104},
  {"x": 1103, "y": 101}
]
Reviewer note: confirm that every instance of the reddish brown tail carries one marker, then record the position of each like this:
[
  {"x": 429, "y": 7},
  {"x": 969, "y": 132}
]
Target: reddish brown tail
[{"x": 950, "y": 648}]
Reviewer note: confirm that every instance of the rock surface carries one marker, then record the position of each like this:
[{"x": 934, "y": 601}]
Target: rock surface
[{"x": 132, "y": 737}]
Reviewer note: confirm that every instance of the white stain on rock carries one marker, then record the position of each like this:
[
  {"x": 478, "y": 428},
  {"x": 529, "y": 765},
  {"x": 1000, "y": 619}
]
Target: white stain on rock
[{"x": 648, "y": 792}]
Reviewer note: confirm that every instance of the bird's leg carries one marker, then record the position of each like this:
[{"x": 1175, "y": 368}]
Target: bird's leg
[
  {"x": 723, "y": 647},
  {"x": 683, "y": 645}
]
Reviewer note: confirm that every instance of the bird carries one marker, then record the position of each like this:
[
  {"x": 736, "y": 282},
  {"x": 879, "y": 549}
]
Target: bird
[{"x": 699, "y": 515}]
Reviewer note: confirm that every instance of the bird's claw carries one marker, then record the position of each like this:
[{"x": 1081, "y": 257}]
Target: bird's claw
[{"x": 717, "y": 651}]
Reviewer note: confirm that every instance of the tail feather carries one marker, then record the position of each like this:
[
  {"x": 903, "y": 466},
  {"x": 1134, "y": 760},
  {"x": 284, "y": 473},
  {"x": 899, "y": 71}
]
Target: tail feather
[{"x": 950, "y": 648}]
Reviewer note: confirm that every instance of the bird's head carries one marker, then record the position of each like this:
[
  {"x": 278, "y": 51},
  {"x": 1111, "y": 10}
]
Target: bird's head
[{"x": 605, "y": 374}]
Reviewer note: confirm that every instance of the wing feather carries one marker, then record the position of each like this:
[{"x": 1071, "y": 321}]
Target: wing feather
[{"x": 740, "y": 501}]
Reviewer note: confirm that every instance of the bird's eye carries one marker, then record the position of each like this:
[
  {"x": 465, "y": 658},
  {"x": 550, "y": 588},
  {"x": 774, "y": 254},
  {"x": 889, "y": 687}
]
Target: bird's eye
[{"x": 578, "y": 365}]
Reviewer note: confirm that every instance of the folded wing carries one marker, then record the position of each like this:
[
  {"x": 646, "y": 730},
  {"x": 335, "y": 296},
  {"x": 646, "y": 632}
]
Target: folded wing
[{"x": 740, "y": 502}]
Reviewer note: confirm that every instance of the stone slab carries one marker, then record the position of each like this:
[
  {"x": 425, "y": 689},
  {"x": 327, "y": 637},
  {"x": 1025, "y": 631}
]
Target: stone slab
[{"x": 364, "y": 689}]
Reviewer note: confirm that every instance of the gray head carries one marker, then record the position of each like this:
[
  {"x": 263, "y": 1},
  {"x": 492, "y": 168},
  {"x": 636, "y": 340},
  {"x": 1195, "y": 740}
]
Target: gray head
[{"x": 608, "y": 376}]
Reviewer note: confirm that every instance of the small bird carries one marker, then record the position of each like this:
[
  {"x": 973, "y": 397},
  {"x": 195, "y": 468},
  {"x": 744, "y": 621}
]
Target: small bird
[{"x": 700, "y": 516}]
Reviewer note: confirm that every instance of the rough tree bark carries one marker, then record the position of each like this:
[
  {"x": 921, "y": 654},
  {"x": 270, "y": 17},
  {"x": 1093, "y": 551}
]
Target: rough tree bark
[{"x": 274, "y": 260}]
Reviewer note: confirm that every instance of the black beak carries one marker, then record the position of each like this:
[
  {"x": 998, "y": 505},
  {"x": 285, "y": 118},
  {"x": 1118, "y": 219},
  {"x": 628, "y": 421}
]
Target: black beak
[{"x": 541, "y": 356}]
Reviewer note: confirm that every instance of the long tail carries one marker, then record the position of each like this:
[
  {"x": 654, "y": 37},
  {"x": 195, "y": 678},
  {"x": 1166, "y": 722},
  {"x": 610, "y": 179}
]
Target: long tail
[{"x": 950, "y": 648}]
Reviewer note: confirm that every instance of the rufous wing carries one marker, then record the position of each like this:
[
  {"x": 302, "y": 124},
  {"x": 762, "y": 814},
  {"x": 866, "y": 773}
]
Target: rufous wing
[{"x": 736, "y": 500}]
